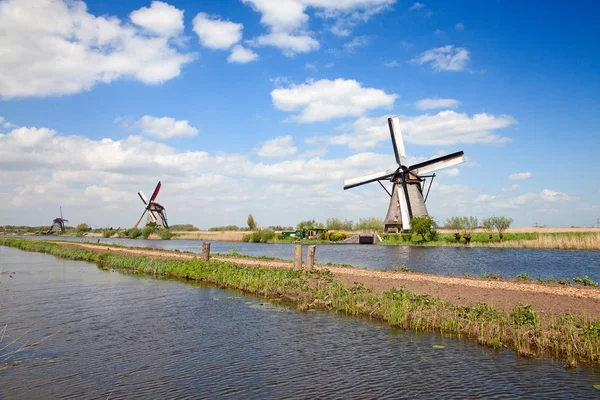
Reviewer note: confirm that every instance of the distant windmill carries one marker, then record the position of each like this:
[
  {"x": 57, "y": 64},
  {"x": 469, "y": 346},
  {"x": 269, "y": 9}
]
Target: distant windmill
[
  {"x": 58, "y": 225},
  {"x": 156, "y": 212},
  {"x": 407, "y": 194}
]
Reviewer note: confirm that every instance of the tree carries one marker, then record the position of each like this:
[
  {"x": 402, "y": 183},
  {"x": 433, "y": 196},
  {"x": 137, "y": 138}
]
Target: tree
[
  {"x": 308, "y": 225},
  {"x": 468, "y": 224},
  {"x": 502, "y": 224},
  {"x": 369, "y": 224},
  {"x": 422, "y": 225},
  {"x": 336, "y": 224},
  {"x": 488, "y": 225},
  {"x": 251, "y": 223},
  {"x": 81, "y": 229},
  {"x": 455, "y": 224}
]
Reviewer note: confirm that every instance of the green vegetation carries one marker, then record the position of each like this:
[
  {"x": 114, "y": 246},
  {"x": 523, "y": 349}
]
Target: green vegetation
[
  {"x": 455, "y": 224},
  {"x": 132, "y": 233},
  {"x": 585, "y": 281},
  {"x": 423, "y": 226},
  {"x": 184, "y": 228},
  {"x": 571, "y": 338},
  {"x": 308, "y": 225},
  {"x": 107, "y": 233},
  {"x": 81, "y": 229},
  {"x": 164, "y": 234},
  {"x": 148, "y": 230},
  {"x": 467, "y": 224},
  {"x": 225, "y": 228},
  {"x": 336, "y": 224},
  {"x": 260, "y": 236},
  {"x": 488, "y": 226},
  {"x": 501, "y": 224},
  {"x": 369, "y": 224},
  {"x": 251, "y": 223}
]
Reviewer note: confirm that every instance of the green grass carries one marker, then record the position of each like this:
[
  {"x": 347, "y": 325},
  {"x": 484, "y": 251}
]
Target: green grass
[{"x": 571, "y": 338}]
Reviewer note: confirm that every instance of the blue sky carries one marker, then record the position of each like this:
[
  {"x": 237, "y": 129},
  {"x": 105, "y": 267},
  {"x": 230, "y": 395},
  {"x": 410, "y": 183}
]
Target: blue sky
[{"x": 265, "y": 107}]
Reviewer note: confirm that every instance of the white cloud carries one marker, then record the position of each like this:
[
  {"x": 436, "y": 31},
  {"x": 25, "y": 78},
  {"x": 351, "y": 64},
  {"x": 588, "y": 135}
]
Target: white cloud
[
  {"x": 416, "y": 6},
  {"x": 215, "y": 33},
  {"x": 241, "y": 55},
  {"x": 444, "y": 128},
  {"x": 451, "y": 172},
  {"x": 436, "y": 103},
  {"x": 287, "y": 20},
  {"x": 499, "y": 202},
  {"x": 165, "y": 127},
  {"x": 57, "y": 48},
  {"x": 324, "y": 99},
  {"x": 358, "y": 41},
  {"x": 282, "y": 146},
  {"x": 391, "y": 64},
  {"x": 459, "y": 26},
  {"x": 447, "y": 58},
  {"x": 310, "y": 67},
  {"x": 513, "y": 188},
  {"x": 519, "y": 176},
  {"x": 160, "y": 18},
  {"x": 552, "y": 196}
]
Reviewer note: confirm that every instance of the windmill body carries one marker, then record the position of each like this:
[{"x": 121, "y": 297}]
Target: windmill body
[
  {"x": 406, "y": 199},
  {"x": 156, "y": 212},
  {"x": 58, "y": 225}
]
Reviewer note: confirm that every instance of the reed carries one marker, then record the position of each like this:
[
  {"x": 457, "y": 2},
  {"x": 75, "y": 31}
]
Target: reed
[
  {"x": 569, "y": 241},
  {"x": 570, "y": 338}
]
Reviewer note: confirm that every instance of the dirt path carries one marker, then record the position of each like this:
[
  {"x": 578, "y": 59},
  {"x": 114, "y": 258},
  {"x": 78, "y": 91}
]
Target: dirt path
[{"x": 545, "y": 298}]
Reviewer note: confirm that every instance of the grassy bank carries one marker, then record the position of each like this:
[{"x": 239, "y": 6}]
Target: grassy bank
[{"x": 571, "y": 338}]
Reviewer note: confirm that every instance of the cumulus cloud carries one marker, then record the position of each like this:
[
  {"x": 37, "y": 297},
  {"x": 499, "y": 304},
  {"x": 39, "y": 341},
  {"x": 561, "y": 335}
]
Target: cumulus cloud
[
  {"x": 324, "y": 99},
  {"x": 165, "y": 127},
  {"x": 287, "y": 20},
  {"x": 519, "y": 176},
  {"x": 444, "y": 128},
  {"x": 451, "y": 172},
  {"x": 436, "y": 103},
  {"x": 216, "y": 33},
  {"x": 282, "y": 146},
  {"x": 513, "y": 188},
  {"x": 447, "y": 58},
  {"x": 58, "y": 48},
  {"x": 241, "y": 55},
  {"x": 552, "y": 196}
]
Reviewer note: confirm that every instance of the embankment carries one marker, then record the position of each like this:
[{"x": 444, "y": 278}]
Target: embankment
[{"x": 531, "y": 318}]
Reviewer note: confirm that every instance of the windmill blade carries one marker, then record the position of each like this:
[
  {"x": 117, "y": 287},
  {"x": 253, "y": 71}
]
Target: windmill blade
[
  {"x": 404, "y": 209},
  {"x": 143, "y": 197},
  {"x": 438, "y": 163},
  {"x": 350, "y": 183},
  {"x": 397, "y": 140},
  {"x": 60, "y": 208},
  {"x": 140, "y": 220},
  {"x": 152, "y": 216},
  {"x": 156, "y": 191}
]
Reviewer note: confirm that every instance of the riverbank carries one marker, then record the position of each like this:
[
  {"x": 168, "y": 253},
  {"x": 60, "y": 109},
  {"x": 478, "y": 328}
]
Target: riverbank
[{"x": 529, "y": 317}]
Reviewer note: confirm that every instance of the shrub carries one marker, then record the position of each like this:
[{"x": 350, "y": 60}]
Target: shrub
[
  {"x": 336, "y": 224},
  {"x": 434, "y": 235},
  {"x": 422, "y": 225},
  {"x": 251, "y": 223},
  {"x": 165, "y": 234},
  {"x": 406, "y": 237},
  {"x": 247, "y": 237},
  {"x": 81, "y": 229},
  {"x": 524, "y": 315},
  {"x": 134, "y": 233},
  {"x": 523, "y": 277},
  {"x": 585, "y": 281},
  {"x": 369, "y": 224},
  {"x": 107, "y": 233},
  {"x": 147, "y": 231}
]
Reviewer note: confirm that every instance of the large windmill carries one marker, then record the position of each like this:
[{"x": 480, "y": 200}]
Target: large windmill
[
  {"x": 156, "y": 212},
  {"x": 406, "y": 199},
  {"x": 58, "y": 225}
]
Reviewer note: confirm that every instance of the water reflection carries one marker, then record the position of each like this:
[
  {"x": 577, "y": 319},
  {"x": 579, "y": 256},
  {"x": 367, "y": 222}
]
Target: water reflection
[{"x": 128, "y": 336}]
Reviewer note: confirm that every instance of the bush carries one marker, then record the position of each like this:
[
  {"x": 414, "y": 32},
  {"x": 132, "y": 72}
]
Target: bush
[
  {"x": 337, "y": 236},
  {"x": 246, "y": 237},
  {"x": 524, "y": 315},
  {"x": 250, "y": 222},
  {"x": 147, "y": 231},
  {"x": 336, "y": 224},
  {"x": 134, "y": 233},
  {"x": 434, "y": 235},
  {"x": 406, "y": 237},
  {"x": 422, "y": 225},
  {"x": 107, "y": 233},
  {"x": 81, "y": 229},
  {"x": 165, "y": 234},
  {"x": 585, "y": 281},
  {"x": 369, "y": 224},
  {"x": 260, "y": 236}
]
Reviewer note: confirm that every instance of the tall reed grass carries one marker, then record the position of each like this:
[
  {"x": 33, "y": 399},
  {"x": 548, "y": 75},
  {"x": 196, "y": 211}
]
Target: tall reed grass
[{"x": 571, "y": 338}]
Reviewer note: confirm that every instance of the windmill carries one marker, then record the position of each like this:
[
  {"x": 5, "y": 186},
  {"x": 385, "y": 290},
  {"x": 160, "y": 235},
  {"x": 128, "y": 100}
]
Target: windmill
[
  {"x": 406, "y": 199},
  {"x": 156, "y": 212},
  {"x": 58, "y": 225}
]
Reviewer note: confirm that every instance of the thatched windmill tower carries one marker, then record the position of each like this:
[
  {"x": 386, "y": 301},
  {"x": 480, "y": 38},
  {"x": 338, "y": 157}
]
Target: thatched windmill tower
[
  {"x": 406, "y": 200},
  {"x": 58, "y": 225},
  {"x": 156, "y": 212}
]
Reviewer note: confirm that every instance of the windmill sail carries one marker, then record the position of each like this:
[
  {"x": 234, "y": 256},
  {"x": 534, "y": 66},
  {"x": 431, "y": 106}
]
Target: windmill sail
[
  {"x": 397, "y": 140},
  {"x": 436, "y": 164},
  {"x": 354, "y": 182}
]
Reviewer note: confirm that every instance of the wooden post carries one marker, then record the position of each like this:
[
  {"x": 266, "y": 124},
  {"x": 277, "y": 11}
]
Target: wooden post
[
  {"x": 205, "y": 251},
  {"x": 310, "y": 257},
  {"x": 297, "y": 257}
]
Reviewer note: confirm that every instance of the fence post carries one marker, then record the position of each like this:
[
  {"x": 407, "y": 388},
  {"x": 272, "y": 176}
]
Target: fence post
[
  {"x": 205, "y": 251},
  {"x": 297, "y": 257},
  {"x": 310, "y": 257}
]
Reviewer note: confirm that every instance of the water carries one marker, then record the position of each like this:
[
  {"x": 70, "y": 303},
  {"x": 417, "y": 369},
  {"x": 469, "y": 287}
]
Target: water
[
  {"x": 557, "y": 264},
  {"x": 125, "y": 336}
]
